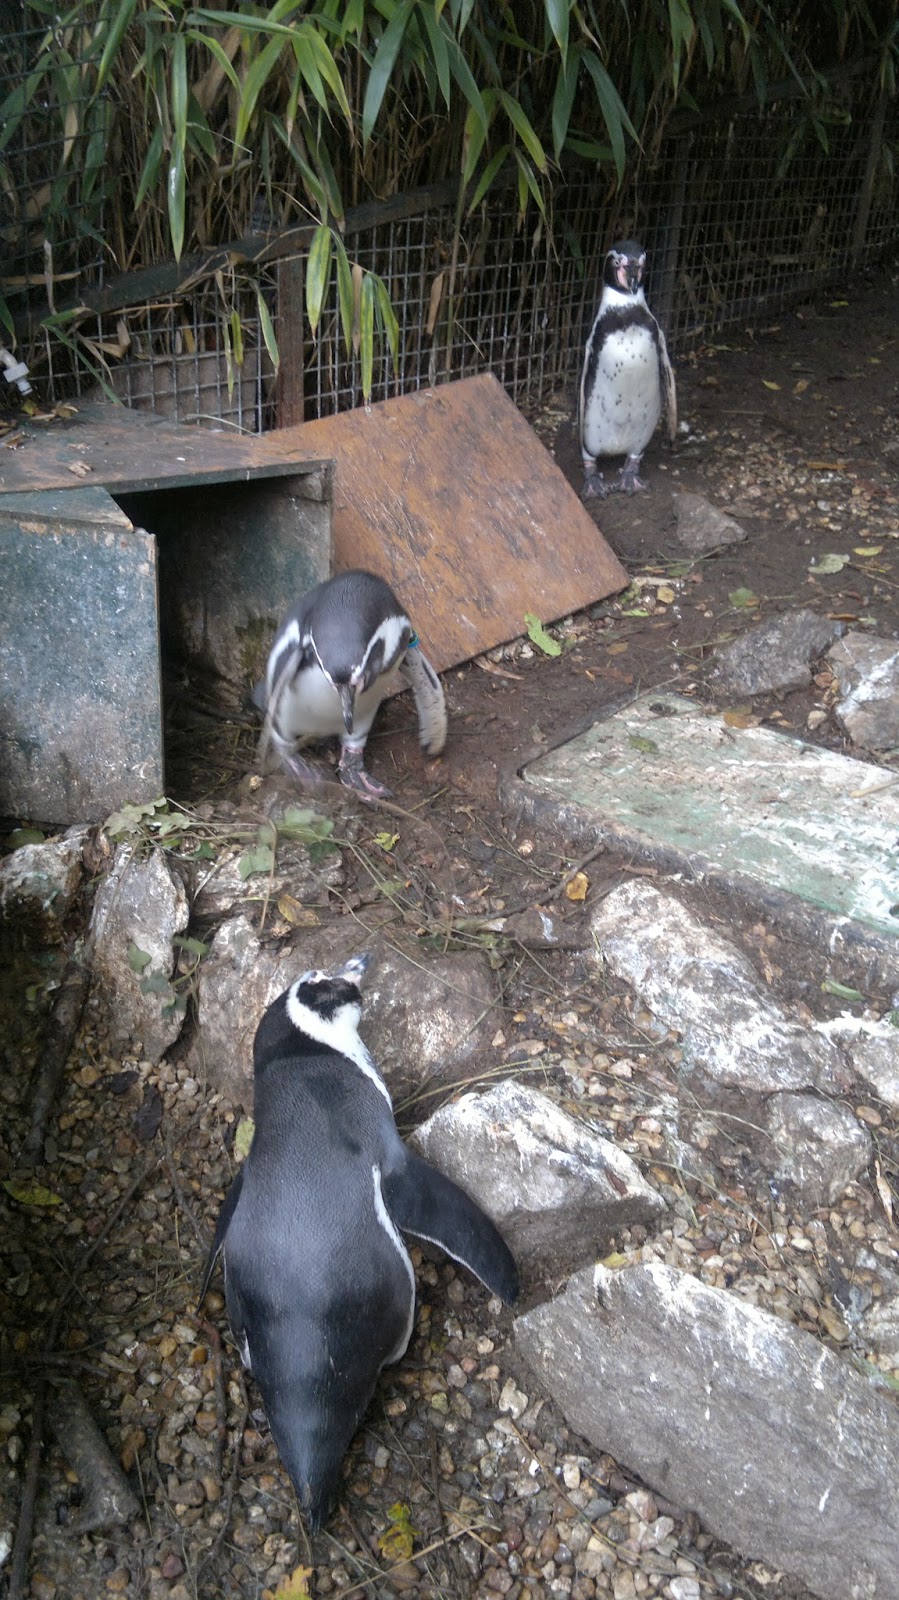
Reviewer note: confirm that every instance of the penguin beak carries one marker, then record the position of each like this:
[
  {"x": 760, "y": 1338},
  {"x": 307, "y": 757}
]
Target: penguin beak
[
  {"x": 355, "y": 969},
  {"x": 347, "y": 693}
]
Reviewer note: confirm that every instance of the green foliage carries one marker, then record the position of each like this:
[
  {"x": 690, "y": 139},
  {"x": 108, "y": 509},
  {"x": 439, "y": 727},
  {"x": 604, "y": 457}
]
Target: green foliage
[{"x": 173, "y": 121}]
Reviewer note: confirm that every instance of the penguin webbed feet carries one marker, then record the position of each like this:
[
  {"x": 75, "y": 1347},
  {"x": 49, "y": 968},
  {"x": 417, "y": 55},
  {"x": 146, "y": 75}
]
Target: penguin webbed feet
[
  {"x": 305, "y": 772},
  {"x": 629, "y": 481},
  {"x": 595, "y": 486},
  {"x": 353, "y": 775}
]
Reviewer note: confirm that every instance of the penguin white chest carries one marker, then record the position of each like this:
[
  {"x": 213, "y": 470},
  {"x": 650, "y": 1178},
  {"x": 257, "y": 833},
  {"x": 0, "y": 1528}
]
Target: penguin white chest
[
  {"x": 310, "y": 707},
  {"x": 624, "y": 403}
]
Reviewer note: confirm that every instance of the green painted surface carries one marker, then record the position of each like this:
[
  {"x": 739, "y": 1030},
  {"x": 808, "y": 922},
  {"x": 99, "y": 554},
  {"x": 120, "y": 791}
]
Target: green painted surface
[{"x": 787, "y": 815}]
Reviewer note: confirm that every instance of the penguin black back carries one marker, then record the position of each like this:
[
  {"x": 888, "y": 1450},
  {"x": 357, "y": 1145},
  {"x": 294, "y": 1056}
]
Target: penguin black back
[{"x": 319, "y": 1284}]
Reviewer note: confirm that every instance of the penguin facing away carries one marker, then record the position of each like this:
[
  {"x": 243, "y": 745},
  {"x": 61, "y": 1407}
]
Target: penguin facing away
[
  {"x": 627, "y": 381},
  {"x": 335, "y": 657},
  {"x": 319, "y": 1286}
]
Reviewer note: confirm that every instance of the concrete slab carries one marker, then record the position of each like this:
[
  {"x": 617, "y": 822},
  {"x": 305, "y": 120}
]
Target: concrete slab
[
  {"x": 759, "y": 811},
  {"x": 80, "y": 697}
]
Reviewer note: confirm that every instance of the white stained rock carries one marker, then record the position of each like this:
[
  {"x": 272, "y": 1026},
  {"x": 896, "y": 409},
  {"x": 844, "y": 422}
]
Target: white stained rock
[
  {"x": 699, "y": 983},
  {"x": 42, "y": 880},
  {"x": 556, "y": 1190},
  {"x": 819, "y": 1145},
  {"x": 778, "y": 1445},
  {"x": 867, "y": 669},
  {"x": 140, "y": 903}
]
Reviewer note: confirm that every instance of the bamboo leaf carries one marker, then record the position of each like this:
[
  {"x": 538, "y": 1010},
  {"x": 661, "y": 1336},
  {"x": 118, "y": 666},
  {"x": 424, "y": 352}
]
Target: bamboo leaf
[
  {"x": 179, "y": 89},
  {"x": 526, "y": 172},
  {"x": 614, "y": 115},
  {"x": 318, "y": 272},
  {"x": 388, "y": 319},
  {"x": 150, "y": 171},
  {"x": 328, "y": 68},
  {"x": 367, "y": 335},
  {"x": 253, "y": 84},
  {"x": 439, "y": 50},
  {"x": 121, "y": 17},
  {"x": 357, "y": 277},
  {"x": 313, "y": 183},
  {"x": 199, "y": 133},
  {"x": 558, "y": 13},
  {"x": 268, "y": 331},
  {"x": 6, "y": 318},
  {"x": 563, "y": 99},
  {"x": 237, "y": 337},
  {"x": 346, "y": 297},
  {"x": 383, "y": 65},
  {"x": 213, "y": 45},
  {"x": 461, "y": 71},
  {"x": 176, "y": 196},
  {"x": 487, "y": 177},
  {"x": 475, "y": 135},
  {"x": 523, "y": 128}
]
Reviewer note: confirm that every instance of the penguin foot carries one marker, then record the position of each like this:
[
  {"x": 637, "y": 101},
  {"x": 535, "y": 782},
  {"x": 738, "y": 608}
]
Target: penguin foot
[
  {"x": 629, "y": 482},
  {"x": 353, "y": 775},
  {"x": 595, "y": 486},
  {"x": 307, "y": 775}
]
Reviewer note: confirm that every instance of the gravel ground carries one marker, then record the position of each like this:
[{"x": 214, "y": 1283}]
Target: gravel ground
[{"x": 464, "y": 1482}]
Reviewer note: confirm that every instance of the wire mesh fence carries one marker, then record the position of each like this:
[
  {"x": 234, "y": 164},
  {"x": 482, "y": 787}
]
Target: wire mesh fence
[{"x": 742, "y": 214}]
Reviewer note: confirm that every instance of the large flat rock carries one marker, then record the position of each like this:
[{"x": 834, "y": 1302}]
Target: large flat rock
[
  {"x": 781, "y": 1448},
  {"x": 782, "y": 821}
]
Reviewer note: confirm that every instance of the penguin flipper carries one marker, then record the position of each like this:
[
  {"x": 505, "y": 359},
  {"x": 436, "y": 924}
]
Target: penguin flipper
[
  {"x": 430, "y": 701},
  {"x": 288, "y": 663},
  {"x": 669, "y": 389},
  {"x": 221, "y": 1228},
  {"x": 424, "y": 1202}
]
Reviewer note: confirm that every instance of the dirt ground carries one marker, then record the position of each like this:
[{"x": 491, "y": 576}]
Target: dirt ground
[{"x": 462, "y": 1466}]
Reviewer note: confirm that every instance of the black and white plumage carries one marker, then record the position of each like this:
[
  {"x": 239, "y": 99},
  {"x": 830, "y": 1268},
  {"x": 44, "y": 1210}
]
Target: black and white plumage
[
  {"x": 627, "y": 381},
  {"x": 319, "y": 1285},
  {"x": 335, "y": 657}
]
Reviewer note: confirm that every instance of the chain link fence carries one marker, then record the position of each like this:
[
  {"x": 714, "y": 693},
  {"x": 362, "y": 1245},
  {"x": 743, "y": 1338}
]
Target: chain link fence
[{"x": 742, "y": 213}]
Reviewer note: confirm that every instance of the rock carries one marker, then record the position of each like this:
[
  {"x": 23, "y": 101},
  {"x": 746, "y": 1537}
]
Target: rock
[
  {"x": 875, "y": 1058},
  {"x": 741, "y": 1052},
  {"x": 879, "y": 1328},
  {"x": 868, "y": 673},
  {"x": 554, "y": 1188},
  {"x": 701, "y": 984},
  {"x": 40, "y": 881},
  {"x": 701, "y": 526},
  {"x": 424, "y": 1025},
  {"x": 720, "y": 1407},
  {"x": 140, "y": 903},
  {"x": 775, "y": 655},
  {"x": 221, "y": 891},
  {"x": 818, "y": 1145}
]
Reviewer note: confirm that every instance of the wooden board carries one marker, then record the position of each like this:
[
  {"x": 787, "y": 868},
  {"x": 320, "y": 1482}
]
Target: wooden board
[
  {"x": 447, "y": 493},
  {"x": 450, "y": 496}
]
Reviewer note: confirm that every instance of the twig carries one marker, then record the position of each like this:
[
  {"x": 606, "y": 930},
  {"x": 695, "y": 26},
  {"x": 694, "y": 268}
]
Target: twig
[
  {"x": 21, "y": 1549},
  {"x": 215, "y": 1340},
  {"x": 57, "y": 1043}
]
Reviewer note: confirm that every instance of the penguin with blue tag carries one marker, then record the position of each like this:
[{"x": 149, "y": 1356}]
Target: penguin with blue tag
[
  {"x": 335, "y": 657},
  {"x": 319, "y": 1285},
  {"x": 627, "y": 381}
]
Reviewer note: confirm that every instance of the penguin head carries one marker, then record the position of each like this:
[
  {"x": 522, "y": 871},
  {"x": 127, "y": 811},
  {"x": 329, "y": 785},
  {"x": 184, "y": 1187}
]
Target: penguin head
[
  {"x": 625, "y": 266},
  {"x": 358, "y": 633},
  {"x": 319, "y": 1008}
]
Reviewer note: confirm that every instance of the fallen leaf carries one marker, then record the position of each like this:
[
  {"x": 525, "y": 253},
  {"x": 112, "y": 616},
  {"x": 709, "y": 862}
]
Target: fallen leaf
[
  {"x": 298, "y": 915},
  {"x": 867, "y": 550},
  {"x": 647, "y": 747},
  {"x": 31, "y": 1194},
  {"x": 884, "y": 1190},
  {"x": 666, "y": 595},
  {"x": 497, "y": 672},
  {"x": 576, "y": 888},
  {"x": 293, "y": 1586},
  {"x": 398, "y": 1541},
  {"x": 539, "y": 636},
  {"x": 828, "y": 564},
  {"x": 387, "y": 841},
  {"x": 769, "y": 383},
  {"x": 243, "y": 1138},
  {"x": 841, "y": 990},
  {"x": 801, "y": 385},
  {"x": 741, "y": 719},
  {"x": 79, "y": 469},
  {"x": 618, "y": 649},
  {"x": 836, "y": 304},
  {"x": 149, "y": 1115},
  {"x": 259, "y": 860},
  {"x": 827, "y": 466},
  {"x": 743, "y": 597},
  {"x": 614, "y": 1261},
  {"x": 833, "y": 1323}
]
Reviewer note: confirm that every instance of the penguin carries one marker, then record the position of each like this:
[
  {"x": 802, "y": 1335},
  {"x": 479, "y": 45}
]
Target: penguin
[
  {"x": 627, "y": 379},
  {"x": 319, "y": 1285},
  {"x": 335, "y": 657}
]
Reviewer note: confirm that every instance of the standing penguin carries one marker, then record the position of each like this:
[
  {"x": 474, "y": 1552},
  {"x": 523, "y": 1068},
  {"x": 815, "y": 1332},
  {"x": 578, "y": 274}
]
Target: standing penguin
[
  {"x": 627, "y": 379},
  {"x": 334, "y": 658},
  {"x": 319, "y": 1285}
]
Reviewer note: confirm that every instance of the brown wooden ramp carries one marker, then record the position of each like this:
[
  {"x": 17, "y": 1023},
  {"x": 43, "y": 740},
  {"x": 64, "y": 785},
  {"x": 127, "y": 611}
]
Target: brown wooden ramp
[{"x": 450, "y": 496}]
